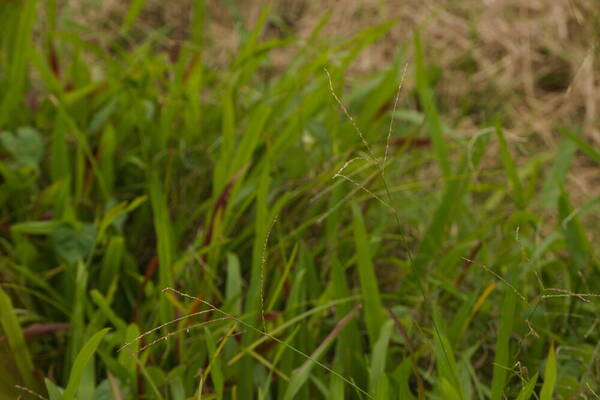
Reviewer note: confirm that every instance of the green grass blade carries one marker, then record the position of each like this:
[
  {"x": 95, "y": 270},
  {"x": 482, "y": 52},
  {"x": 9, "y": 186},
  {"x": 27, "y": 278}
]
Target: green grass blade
[
  {"x": 449, "y": 391},
  {"x": 216, "y": 371},
  {"x": 16, "y": 340},
  {"x": 574, "y": 233},
  {"x": 301, "y": 375},
  {"x": 83, "y": 358},
  {"x": 19, "y": 56},
  {"x": 380, "y": 354},
  {"x": 77, "y": 325},
  {"x": 374, "y": 313},
  {"x": 162, "y": 228},
  {"x": 111, "y": 262},
  {"x": 445, "y": 360},
  {"x": 127, "y": 358},
  {"x": 510, "y": 167},
  {"x": 104, "y": 307},
  {"x": 254, "y": 297},
  {"x": 233, "y": 290},
  {"x": 502, "y": 356},
  {"x": 449, "y": 206},
  {"x": 54, "y": 392},
  {"x": 135, "y": 7},
  {"x": 557, "y": 176},
  {"x": 527, "y": 391},
  {"x": 550, "y": 374},
  {"x": 250, "y": 138},
  {"x": 402, "y": 378},
  {"x": 584, "y": 146},
  {"x": 427, "y": 98}
]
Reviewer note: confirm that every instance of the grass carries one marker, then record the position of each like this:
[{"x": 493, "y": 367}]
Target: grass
[{"x": 234, "y": 233}]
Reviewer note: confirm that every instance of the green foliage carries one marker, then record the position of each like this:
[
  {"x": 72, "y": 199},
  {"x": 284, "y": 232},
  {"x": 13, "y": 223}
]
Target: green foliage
[
  {"x": 27, "y": 146},
  {"x": 74, "y": 244},
  {"x": 241, "y": 237}
]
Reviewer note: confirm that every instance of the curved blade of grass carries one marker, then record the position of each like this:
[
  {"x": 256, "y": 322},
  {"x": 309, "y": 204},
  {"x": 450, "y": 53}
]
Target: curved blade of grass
[
  {"x": 449, "y": 391},
  {"x": 445, "y": 361},
  {"x": 214, "y": 365},
  {"x": 84, "y": 356},
  {"x": 54, "y": 392},
  {"x": 584, "y": 146},
  {"x": 127, "y": 359},
  {"x": 402, "y": 378},
  {"x": 527, "y": 391},
  {"x": 132, "y": 14},
  {"x": 288, "y": 324},
  {"x": 16, "y": 340},
  {"x": 380, "y": 351},
  {"x": 301, "y": 374}
]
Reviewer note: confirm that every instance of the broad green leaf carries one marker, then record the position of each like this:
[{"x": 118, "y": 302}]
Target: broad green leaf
[
  {"x": 27, "y": 146},
  {"x": 74, "y": 244}
]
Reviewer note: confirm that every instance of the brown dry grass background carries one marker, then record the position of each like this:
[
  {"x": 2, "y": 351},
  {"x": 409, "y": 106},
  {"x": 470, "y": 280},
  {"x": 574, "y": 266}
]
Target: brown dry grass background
[{"x": 535, "y": 61}]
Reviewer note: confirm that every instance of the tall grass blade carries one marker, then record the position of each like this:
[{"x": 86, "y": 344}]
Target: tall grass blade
[
  {"x": 510, "y": 167},
  {"x": 301, "y": 375},
  {"x": 528, "y": 388},
  {"x": 427, "y": 99},
  {"x": 374, "y": 312},
  {"x": 16, "y": 340},
  {"x": 83, "y": 358},
  {"x": 502, "y": 357},
  {"x": 550, "y": 375},
  {"x": 584, "y": 146}
]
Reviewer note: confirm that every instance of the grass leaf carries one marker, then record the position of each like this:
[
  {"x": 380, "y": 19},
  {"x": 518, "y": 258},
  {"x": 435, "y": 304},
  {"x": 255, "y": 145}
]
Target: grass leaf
[
  {"x": 374, "y": 313},
  {"x": 502, "y": 356},
  {"x": 16, "y": 340},
  {"x": 83, "y": 358},
  {"x": 550, "y": 374}
]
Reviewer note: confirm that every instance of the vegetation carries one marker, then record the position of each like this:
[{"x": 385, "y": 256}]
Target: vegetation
[{"x": 173, "y": 230}]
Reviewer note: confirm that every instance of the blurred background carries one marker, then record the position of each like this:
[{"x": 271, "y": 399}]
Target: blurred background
[{"x": 534, "y": 62}]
